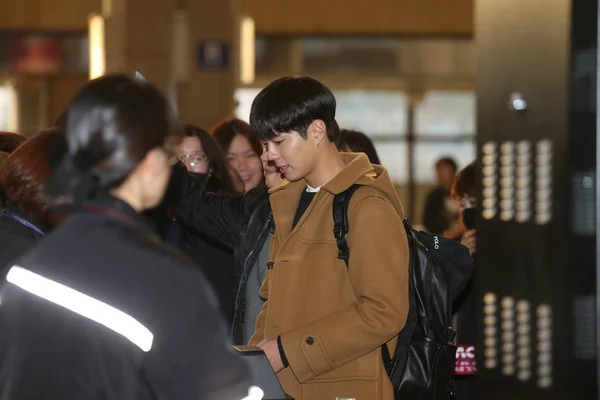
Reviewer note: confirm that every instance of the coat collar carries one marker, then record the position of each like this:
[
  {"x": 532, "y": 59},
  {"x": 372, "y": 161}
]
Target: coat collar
[
  {"x": 284, "y": 197},
  {"x": 357, "y": 166},
  {"x": 284, "y": 204}
]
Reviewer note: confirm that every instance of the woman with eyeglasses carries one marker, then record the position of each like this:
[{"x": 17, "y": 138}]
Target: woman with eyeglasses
[
  {"x": 202, "y": 156},
  {"x": 206, "y": 165},
  {"x": 101, "y": 308}
]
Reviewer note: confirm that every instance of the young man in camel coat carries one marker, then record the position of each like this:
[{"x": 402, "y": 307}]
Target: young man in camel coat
[{"x": 323, "y": 325}]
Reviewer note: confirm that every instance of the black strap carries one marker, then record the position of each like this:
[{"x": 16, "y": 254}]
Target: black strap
[
  {"x": 341, "y": 202},
  {"x": 394, "y": 365}
]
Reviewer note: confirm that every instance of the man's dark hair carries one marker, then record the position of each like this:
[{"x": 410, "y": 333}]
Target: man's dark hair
[
  {"x": 449, "y": 161},
  {"x": 292, "y": 104}
]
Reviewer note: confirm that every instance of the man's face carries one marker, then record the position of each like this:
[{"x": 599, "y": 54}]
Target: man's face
[{"x": 292, "y": 154}]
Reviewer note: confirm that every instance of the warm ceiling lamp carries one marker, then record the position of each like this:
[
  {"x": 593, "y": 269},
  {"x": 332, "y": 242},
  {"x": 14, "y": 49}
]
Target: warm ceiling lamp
[{"x": 96, "y": 46}]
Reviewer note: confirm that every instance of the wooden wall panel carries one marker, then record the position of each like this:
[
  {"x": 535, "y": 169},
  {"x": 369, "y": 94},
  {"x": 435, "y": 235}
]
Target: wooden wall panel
[
  {"x": 16, "y": 14},
  {"x": 361, "y": 17},
  {"x": 288, "y": 17},
  {"x": 61, "y": 90},
  {"x": 47, "y": 15}
]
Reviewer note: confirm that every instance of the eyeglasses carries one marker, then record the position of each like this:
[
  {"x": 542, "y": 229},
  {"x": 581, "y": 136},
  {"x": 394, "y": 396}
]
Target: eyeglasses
[{"x": 193, "y": 159}]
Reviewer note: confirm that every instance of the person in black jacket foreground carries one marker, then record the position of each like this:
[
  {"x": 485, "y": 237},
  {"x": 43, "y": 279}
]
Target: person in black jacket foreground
[{"x": 101, "y": 308}]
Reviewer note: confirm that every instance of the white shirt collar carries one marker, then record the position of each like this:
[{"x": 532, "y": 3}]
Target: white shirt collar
[{"x": 311, "y": 189}]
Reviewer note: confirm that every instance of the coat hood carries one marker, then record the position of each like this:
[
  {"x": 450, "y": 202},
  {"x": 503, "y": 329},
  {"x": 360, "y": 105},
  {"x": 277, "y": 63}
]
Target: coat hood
[{"x": 358, "y": 170}]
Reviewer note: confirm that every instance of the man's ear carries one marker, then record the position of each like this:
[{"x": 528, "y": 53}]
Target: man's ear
[{"x": 317, "y": 131}]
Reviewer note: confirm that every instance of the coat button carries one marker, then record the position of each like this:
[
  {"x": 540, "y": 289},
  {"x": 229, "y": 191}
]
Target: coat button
[
  {"x": 270, "y": 265},
  {"x": 309, "y": 340}
]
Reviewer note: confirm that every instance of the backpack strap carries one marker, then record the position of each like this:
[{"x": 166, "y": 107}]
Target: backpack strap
[{"x": 341, "y": 202}]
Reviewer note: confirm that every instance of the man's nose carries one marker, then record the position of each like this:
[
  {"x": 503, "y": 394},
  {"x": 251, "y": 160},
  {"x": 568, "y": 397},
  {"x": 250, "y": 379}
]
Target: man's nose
[{"x": 272, "y": 153}]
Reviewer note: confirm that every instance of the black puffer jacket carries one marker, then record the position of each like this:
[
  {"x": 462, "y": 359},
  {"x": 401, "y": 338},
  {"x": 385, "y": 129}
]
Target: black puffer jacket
[
  {"x": 240, "y": 222},
  {"x": 215, "y": 260}
]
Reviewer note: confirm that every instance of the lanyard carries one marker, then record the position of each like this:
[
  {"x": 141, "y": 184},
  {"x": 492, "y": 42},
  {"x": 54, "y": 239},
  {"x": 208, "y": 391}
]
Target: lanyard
[
  {"x": 22, "y": 221},
  {"x": 110, "y": 212}
]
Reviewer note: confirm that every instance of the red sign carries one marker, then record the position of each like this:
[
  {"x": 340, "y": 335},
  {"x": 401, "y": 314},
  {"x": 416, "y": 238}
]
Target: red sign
[
  {"x": 37, "y": 54},
  {"x": 465, "y": 360}
]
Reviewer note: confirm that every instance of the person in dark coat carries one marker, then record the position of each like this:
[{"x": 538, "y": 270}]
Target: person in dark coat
[
  {"x": 25, "y": 217},
  {"x": 204, "y": 159},
  {"x": 241, "y": 223},
  {"x": 464, "y": 307},
  {"x": 101, "y": 308},
  {"x": 357, "y": 142},
  {"x": 440, "y": 215}
]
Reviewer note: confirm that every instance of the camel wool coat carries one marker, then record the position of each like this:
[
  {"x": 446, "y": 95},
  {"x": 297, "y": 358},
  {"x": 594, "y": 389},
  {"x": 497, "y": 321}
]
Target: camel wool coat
[{"x": 333, "y": 320}]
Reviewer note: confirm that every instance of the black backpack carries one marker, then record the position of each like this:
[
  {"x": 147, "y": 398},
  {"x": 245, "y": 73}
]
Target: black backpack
[{"x": 423, "y": 362}]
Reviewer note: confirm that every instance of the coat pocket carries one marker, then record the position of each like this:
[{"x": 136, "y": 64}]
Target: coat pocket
[{"x": 367, "y": 368}]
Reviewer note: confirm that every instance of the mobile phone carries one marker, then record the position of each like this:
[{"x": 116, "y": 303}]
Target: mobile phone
[{"x": 469, "y": 217}]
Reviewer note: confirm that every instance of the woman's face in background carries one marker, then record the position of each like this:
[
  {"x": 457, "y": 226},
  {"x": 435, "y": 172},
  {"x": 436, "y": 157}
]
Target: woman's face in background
[
  {"x": 191, "y": 153},
  {"x": 466, "y": 202},
  {"x": 272, "y": 175},
  {"x": 245, "y": 162}
]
